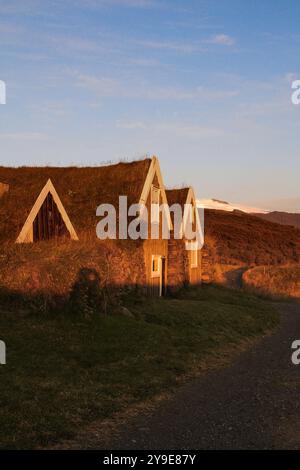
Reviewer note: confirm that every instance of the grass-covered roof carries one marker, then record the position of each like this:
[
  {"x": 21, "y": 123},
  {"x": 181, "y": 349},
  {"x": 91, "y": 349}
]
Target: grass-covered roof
[{"x": 81, "y": 190}]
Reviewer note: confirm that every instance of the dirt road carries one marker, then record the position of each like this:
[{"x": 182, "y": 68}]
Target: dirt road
[{"x": 251, "y": 404}]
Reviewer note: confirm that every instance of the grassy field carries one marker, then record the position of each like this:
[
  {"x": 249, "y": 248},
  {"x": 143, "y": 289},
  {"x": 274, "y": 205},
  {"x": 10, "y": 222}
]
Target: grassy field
[{"x": 64, "y": 371}]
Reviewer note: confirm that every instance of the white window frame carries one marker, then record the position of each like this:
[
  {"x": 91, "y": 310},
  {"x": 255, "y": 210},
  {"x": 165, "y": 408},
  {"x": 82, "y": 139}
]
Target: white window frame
[
  {"x": 158, "y": 272},
  {"x": 194, "y": 262},
  {"x": 155, "y": 213}
]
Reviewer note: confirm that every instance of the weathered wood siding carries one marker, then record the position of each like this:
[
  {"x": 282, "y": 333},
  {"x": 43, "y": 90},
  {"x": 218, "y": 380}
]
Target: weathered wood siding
[
  {"x": 154, "y": 247},
  {"x": 180, "y": 270},
  {"x": 195, "y": 274},
  {"x": 178, "y": 264}
]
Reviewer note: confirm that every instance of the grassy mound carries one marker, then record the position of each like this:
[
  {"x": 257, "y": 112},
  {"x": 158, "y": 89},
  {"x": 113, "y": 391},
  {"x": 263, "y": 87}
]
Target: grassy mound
[
  {"x": 45, "y": 273},
  {"x": 66, "y": 371}
]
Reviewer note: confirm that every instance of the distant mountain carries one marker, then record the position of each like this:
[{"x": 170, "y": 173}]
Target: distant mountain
[
  {"x": 278, "y": 217},
  {"x": 220, "y": 205},
  {"x": 283, "y": 218}
]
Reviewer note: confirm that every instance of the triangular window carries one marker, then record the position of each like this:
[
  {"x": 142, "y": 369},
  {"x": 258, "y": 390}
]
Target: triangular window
[{"x": 48, "y": 222}]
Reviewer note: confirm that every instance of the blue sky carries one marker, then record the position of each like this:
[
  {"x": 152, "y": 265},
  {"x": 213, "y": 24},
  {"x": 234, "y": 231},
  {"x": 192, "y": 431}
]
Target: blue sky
[{"x": 204, "y": 85}]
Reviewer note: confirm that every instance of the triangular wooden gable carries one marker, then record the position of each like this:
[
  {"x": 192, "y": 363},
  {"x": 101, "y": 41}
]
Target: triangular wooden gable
[
  {"x": 191, "y": 199},
  {"x": 26, "y": 234},
  {"x": 154, "y": 170}
]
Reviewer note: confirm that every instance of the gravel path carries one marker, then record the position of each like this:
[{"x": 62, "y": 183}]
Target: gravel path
[{"x": 251, "y": 404}]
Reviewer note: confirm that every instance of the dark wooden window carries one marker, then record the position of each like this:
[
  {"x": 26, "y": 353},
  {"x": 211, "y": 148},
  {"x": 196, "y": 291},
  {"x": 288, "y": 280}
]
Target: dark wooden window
[{"x": 48, "y": 222}]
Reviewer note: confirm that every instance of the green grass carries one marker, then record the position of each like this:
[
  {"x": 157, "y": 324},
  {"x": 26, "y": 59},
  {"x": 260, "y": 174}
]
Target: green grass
[{"x": 63, "y": 372}]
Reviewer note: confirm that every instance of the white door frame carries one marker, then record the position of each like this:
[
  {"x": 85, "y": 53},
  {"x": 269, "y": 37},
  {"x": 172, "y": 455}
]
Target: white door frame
[{"x": 158, "y": 273}]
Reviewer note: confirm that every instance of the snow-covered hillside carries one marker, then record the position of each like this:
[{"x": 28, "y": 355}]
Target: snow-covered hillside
[{"x": 226, "y": 206}]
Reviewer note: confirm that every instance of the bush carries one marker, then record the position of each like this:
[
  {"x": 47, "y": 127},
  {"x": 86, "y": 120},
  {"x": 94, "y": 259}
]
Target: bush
[{"x": 87, "y": 297}]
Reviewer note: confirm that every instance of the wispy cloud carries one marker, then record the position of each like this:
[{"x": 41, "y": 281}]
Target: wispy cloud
[
  {"x": 121, "y": 3},
  {"x": 10, "y": 28},
  {"x": 291, "y": 76},
  {"x": 110, "y": 87},
  {"x": 47, "y": 108},
  {"x": 179, "y": 129},
  {"x": 172, "y": 46},
  {"x": 145, "y": 62},
  {"x": 132, "y": 3},
  {"x": 75, "y": 43},
  {"x": 32, "y": 136},
  {"x": 38, "y": 7},
  {"x": 24, "y": 7},
  {"x": 190, "y": 131},
  {"x": 187, "y": 47},
  {"x": 130, "y": 125},
  {"x": 102, "y": 86},
  {"x": 221, "y": 39},
  {"x": 26, "y": 56}
]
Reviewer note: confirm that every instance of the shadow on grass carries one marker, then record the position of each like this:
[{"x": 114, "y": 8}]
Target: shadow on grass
[
  {"x": 87, "y": 296},
  {"x": 65, "y": 371}
]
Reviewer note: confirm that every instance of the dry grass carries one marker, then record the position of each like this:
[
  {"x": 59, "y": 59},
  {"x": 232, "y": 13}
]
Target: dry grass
[
  {"x": 283, "y": 218},
  {"x": 236, "y": 241},
  {"x": 44, "y": 273},
  {"x": 241, "y": 239},
  {"x": 277, "y": 281}
]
